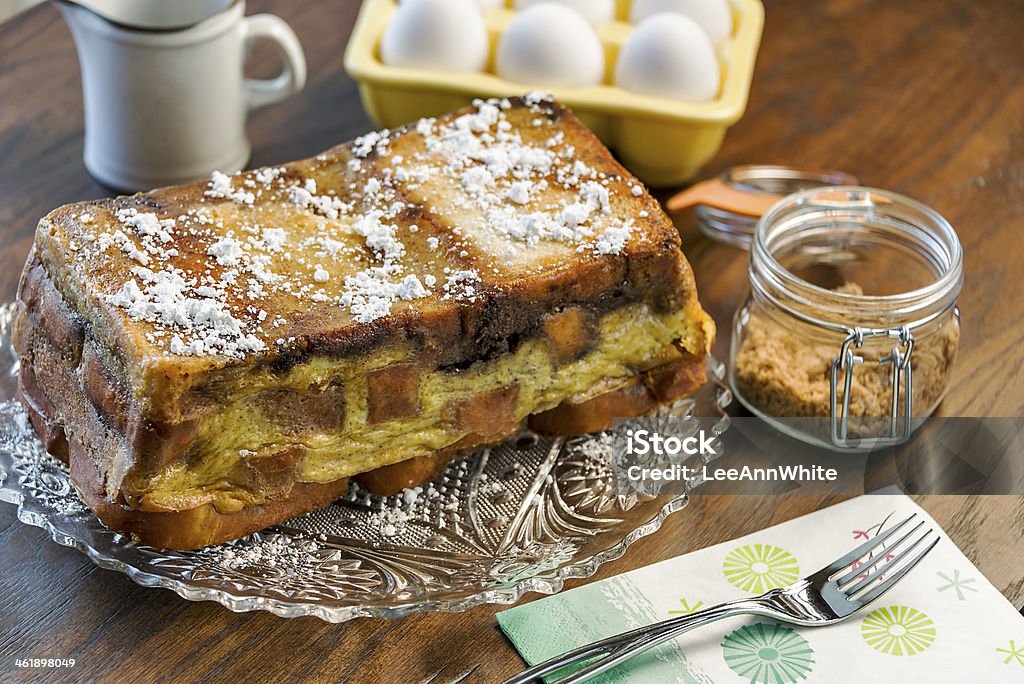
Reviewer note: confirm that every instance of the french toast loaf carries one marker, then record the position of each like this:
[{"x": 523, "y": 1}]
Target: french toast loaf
[{"x": 217, "y": 357}]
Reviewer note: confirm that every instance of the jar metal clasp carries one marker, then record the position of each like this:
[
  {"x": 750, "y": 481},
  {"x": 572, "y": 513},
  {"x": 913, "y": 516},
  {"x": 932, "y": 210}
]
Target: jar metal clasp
[{"x": 902, "y": 386}]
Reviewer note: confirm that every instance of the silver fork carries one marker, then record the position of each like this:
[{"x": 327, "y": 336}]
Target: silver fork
[{"x": 826, "y": 597}]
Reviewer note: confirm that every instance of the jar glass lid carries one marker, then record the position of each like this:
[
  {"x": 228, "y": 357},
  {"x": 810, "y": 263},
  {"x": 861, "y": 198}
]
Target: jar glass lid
[
  {"x": 729, "y": 206},
  {"x": 904, "y": 258}
]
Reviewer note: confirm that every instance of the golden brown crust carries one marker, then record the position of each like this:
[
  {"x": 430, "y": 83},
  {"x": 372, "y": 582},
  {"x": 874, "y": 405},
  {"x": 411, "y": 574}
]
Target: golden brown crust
[
  {"x": 392, "y": 392},
  {"x": 194, "y": 527},
  {"x": 636, "y": 398},
  {"x": 185, "y": 529},
  {"x": 510, "y": 304},
  {"x": 483, "y": 417},
  {"x": 41, "y": 414},
  {"x": 105, "y": 391},
  {"x": 415, "y": 472},
  {"x": 570, "y": 333}
]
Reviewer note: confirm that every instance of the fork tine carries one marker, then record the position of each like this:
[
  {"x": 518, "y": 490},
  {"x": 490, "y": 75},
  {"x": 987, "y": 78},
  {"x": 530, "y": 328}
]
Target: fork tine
[
  {"x": 890, "y": 581},
  {"x": 866, "y": 548},
  {"x": 849, "y": 578},
  {"x": 881, "y": 569}
]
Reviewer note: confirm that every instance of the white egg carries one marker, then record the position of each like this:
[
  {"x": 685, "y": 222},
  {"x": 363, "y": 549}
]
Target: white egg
[
  {"x": 594, "y": 11},
  {"x": 714, "y": 16},
  {"x": 436, "y": 34},
  {"x": 484, "y": 4},
  {"x": 668, "y": 55},
  {"x": 550, "y": 45}
]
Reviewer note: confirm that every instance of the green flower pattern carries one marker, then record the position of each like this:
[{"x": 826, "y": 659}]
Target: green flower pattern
[
  {"x": 898, "y": 630},
  {"x": 759, "y": 567},
  {"x": 686, "y": 609},
  {"x": 961, "y": 585},
  {"x": 766, "y": 653},
  {"x": 1014, "y": 653}
]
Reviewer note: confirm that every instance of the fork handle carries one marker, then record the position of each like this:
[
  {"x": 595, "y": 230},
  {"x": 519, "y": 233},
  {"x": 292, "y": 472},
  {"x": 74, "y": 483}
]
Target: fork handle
[{"x": 621, "y": 647}]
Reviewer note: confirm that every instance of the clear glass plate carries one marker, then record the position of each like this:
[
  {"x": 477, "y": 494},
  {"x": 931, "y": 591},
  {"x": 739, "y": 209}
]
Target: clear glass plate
[{"x": 523, "y": 516}]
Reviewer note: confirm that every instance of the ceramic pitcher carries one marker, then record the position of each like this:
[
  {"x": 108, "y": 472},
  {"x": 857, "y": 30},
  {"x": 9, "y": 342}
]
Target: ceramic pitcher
[{"x": 168, "y": 105}]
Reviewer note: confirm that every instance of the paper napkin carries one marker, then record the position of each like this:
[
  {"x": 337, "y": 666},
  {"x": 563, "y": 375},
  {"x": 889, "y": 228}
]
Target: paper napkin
[{"x": 943, "y": 623}]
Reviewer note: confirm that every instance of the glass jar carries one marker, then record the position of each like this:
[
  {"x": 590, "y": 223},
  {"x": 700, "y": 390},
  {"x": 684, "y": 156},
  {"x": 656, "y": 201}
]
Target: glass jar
[{"x": 849, "y": 332}]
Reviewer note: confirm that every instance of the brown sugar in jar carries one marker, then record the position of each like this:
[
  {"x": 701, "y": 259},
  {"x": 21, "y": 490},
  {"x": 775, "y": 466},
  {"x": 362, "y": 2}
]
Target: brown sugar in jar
[
  {"x": 787, "y": 374},
  {"x": 808, "y": 319}
]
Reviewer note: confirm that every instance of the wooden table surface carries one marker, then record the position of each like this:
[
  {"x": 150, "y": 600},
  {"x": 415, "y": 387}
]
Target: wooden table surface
[{"x": 923, "y": 97}]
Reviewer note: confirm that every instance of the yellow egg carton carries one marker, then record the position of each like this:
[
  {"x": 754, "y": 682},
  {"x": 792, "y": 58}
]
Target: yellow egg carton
[{"x": 663, "y": 141}]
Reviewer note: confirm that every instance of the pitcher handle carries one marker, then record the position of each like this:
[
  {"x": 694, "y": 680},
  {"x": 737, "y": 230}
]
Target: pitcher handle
[{"x": 262, "y": 92}]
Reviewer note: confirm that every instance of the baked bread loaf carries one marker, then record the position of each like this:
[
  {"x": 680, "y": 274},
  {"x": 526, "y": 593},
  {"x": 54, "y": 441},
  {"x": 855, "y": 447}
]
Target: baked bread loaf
[{"x": 217, "y": 357}]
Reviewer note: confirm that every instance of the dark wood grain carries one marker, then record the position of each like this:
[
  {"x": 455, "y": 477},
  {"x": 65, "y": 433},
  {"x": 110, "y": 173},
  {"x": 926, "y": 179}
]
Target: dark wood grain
[{"x": 920, "y": 96}]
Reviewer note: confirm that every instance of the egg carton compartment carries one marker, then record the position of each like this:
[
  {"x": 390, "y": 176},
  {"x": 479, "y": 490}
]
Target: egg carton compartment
[{"x": 663, "y": 141}]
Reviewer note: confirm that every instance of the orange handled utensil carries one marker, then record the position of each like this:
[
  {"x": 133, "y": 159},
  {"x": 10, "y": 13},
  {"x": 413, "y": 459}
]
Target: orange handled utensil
[
  {"x": 729, "y": 206},
  {"x": 716, "y": 193}
]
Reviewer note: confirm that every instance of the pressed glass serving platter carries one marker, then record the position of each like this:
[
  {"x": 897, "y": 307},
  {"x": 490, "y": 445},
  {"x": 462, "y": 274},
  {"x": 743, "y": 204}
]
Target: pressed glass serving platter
[{"x": 523, "y": 516}]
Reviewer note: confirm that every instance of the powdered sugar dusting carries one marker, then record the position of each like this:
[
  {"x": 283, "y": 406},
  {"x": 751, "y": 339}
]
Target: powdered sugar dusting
[
  {"x": 221, "y": 187},
  {"x": 462, "y": 285},
  {"x": 357, "y": 231},
  {"x": 164, "y": 298},
  {"x": 509, "y": 179},
  {"x": 614, "y": 239}
]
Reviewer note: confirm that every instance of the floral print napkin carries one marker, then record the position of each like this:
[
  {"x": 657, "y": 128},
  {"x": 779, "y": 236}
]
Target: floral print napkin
[{"x": 943, "y": 623}]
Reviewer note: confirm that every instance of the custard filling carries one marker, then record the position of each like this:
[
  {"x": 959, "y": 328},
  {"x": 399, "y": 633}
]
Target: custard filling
[{"x": 216, "y": 468}]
